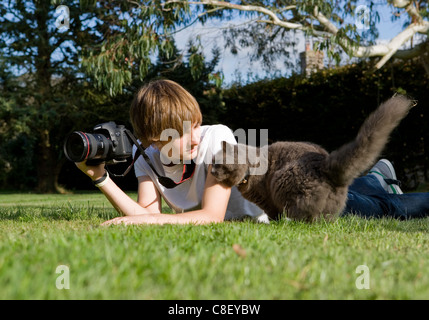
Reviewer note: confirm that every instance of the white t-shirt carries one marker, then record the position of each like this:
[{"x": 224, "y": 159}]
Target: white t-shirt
[{"x": 188, "y": 195}]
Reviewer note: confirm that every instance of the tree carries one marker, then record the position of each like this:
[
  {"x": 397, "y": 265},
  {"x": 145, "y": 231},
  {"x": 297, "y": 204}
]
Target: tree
[
  {"x": 39, "y": 49},
  {"x": 140, "y": 45},
  {"x": 46, "y": 92},
  {"x": 139, "y": 32},
  {"x": 333, "y": 23}
]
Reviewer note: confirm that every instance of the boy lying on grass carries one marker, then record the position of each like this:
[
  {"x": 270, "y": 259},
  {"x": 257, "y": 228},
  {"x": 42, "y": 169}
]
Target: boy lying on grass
[{"x": 167, "y": 120}]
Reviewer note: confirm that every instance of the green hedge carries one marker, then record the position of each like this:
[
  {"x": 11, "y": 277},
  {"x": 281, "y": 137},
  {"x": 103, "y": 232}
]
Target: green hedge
[{"x": 329, "y": 107}]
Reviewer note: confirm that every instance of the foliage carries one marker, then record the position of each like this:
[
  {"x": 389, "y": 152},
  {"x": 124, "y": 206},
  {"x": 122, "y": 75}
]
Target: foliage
[
  {"x": 46, "y": 93},
  {"x": 145, "y": 27},
  {"x": 45, "y": 86},
  {"x": 135, "y": 33},
  {"x": 336, "y": 27}
]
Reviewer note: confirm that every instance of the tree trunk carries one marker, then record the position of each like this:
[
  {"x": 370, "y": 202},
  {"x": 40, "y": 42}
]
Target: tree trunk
[
  {"x": 45, "y": 153},
  {"x": 45, "y": 165}
]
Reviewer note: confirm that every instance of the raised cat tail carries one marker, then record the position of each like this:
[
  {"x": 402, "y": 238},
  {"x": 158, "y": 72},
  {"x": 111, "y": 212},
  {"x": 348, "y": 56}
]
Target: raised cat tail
[{"x": 349, "y": 161}]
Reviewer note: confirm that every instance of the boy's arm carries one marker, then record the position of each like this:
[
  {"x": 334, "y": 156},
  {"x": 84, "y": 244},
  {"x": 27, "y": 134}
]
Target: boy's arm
[
  {"x": 214, "y": 204},
  {"x": 149, "y": 200}
]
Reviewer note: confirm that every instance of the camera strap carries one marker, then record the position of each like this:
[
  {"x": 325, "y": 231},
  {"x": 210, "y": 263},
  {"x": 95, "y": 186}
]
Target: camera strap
[{"x": 188, "y": 169}]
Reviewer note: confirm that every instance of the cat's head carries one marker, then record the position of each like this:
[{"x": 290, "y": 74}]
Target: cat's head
[{"x": 230, "y": 166}]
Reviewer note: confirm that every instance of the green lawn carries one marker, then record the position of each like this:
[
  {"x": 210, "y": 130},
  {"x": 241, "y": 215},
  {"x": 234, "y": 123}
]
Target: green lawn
[{"x": 45, "y": 238}]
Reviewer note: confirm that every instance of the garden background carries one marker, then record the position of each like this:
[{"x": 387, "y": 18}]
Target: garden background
[
  {"x": 327, "y": 108},
  {"x": 70, "y": 65}
]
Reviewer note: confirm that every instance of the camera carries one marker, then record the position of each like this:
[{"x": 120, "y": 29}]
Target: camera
[{"x": 108, "y": 143}]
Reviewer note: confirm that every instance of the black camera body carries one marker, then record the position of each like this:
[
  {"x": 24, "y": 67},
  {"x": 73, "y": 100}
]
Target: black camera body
[{"x": 108, "y": 143}]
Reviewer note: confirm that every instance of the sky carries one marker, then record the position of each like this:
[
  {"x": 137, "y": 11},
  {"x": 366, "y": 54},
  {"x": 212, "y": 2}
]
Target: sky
[{"x": 234, "y": 66}]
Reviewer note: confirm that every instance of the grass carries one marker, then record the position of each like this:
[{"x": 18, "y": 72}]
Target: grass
[{"x": 234, "y": 260}]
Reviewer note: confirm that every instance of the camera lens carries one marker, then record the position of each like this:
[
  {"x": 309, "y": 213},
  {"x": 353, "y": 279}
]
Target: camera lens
[{"x": 80, "y": 146}]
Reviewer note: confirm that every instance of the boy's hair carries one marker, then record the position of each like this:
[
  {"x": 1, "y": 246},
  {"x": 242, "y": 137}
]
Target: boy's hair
[{"x": 160, "y": 105}]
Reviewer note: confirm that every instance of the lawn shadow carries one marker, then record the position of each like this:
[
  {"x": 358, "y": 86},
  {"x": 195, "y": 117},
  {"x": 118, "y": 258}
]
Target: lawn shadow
[
  {"x": 354, "y": 223},
  {"x": 62, "y": 212}
]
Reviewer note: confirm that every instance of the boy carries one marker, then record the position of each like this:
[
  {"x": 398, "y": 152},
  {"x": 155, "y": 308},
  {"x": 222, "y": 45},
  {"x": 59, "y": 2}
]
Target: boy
[{"x": 167, "y": 121}]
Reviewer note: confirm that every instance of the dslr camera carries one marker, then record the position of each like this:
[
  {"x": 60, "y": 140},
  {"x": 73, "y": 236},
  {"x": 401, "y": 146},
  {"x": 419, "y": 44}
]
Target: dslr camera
[{"x": 108, "y": 143}]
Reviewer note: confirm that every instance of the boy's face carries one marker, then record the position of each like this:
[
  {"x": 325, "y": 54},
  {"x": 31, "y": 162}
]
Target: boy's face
[{"x": 180, "y": 148}]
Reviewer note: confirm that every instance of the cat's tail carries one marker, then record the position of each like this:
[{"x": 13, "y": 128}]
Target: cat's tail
[{"x": 349, "y": 161}]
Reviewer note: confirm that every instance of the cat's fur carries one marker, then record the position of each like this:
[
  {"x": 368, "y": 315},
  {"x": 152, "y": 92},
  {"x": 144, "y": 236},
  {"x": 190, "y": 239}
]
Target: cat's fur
[{"x": 305, "y": 182}]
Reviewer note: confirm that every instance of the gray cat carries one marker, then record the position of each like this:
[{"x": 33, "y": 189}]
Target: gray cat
[{"x": 303, "y": 181}]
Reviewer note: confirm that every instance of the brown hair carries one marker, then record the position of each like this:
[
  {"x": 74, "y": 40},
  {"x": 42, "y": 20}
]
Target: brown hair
[{"x": 160, "y": 105}]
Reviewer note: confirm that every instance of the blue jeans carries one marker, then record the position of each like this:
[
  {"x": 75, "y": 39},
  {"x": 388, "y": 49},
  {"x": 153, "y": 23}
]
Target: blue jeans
[{"x": 367, "y": 198}]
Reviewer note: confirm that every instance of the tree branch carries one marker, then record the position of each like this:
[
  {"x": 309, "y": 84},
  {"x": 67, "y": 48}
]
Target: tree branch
[
  {"x": 223, "y": 4},
  {"x": 386, "y": 51},
  {"x": 414, "y": 52},
  {"x": 399, "y": 40},
  {"x": 409, "y": 7}
]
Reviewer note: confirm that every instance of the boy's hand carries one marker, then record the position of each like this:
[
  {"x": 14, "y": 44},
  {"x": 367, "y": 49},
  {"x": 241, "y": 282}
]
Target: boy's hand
[{"x": 94, "y": 172}]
